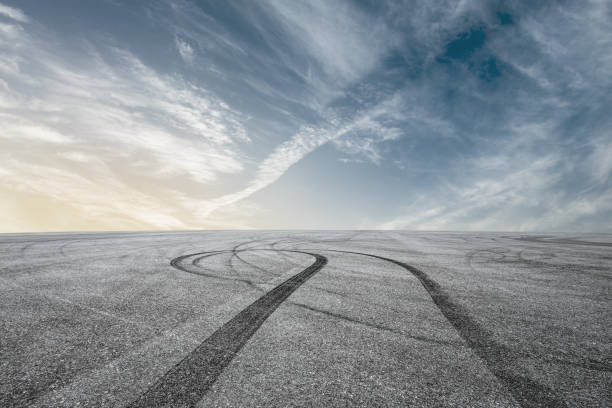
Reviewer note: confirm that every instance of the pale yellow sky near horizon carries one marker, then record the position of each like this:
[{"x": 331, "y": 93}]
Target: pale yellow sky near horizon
[{"x": 317, "y": 115}]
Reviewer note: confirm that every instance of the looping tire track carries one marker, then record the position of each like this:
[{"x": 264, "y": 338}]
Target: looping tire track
[{"x": 187, "y": 382}]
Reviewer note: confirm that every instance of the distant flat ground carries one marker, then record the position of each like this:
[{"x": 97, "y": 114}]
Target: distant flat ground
[{"x": 296, "y": 318}]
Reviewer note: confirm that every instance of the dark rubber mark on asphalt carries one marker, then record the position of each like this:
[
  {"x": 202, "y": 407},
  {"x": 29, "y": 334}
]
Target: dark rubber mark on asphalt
[
  {"x": 497, "y": 357},
  {"x": 236, "y": 254},
  {"x": 178, "y": 264},
  {"x": 377, "y": 326},
  {"x": 187, "y": 382}
]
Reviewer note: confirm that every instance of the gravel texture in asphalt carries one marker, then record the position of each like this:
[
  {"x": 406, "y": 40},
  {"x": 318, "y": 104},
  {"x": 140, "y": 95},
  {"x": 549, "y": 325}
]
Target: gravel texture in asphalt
[{"x": 305, "y": 318}]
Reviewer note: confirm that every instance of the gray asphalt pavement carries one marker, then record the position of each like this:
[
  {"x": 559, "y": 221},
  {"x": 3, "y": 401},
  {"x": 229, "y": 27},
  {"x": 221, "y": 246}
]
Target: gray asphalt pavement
[{"x": 297, "y": 318}]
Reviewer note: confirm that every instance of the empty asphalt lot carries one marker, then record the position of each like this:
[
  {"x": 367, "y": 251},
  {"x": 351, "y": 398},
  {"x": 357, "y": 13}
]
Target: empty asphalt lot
[{"x": 295, "y": 318}]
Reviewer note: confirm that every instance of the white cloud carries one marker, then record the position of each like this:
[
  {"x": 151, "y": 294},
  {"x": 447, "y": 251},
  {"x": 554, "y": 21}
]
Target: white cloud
[
  {"x": 13, "y": 13},
  {"x": 155, "y": 126},
  {"x": 152, "y": 129},
  {"x": 344, "y": 42},
  {"x": 387, "y": 121},
  {"x": 77, "y": 126},
  {"x": 515, "y": 190},
  {"x": 19, "y": 127},
  {"x": 127, "y": 104},
  {"x": 500, "y": 204},
  {"x": 273, "y": 167},
  {"x": 365, "y": 137},
  {"x": 283, "y": 157}
]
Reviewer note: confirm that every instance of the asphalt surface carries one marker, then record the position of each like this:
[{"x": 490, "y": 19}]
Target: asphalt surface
[{"x": 296, "y": 318}]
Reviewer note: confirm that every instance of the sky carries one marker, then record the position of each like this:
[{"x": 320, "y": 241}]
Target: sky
[{"x": 295, "y": 114}]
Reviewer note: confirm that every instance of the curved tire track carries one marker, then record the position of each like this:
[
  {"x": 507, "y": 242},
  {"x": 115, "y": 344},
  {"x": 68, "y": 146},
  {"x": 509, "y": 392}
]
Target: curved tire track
[
  {"x": 497, "y": 357},
  {"x": 187, "y": 382}
]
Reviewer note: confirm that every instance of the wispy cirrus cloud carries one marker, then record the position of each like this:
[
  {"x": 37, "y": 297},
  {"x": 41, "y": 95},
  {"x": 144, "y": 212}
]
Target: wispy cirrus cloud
[
  {"x": 341, "y": 39},
  {"x": 459, "y": 115},
  {"x": 277, "y": 163},
  {"x": 154, "y": 127},
  {"x": 327, "y": 46},
  {"x": 110, "y": 113},
  {"x": 529, "y": 94},
  {"x": 13, "y": 13}
]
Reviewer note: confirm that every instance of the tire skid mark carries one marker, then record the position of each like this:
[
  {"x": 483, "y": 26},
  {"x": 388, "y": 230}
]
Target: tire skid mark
[
  {"x": 236, "y": 254},
  {"x": 540, "y": 264},
  {"x": 197, "y": 262},
  {"x": 273, "y": 247},
  {"x": 376, "y": 326},
  {"x": 19, "y": 268},
  {"x": 497, "y": 357},
  {"x": 177, "y": 263},
  {"x": 187, "y": 382},
  {"x": 230, "y": 261},
  {"x": 369, "y": 302},
  {"x": 252, "y": 265}
]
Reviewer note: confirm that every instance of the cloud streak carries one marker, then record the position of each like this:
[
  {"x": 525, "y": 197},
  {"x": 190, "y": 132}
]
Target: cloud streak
[
  {"x": 13, "y": 13},
  {"x": 453, "y": 115},
  {"x": 154, "y": 127}
]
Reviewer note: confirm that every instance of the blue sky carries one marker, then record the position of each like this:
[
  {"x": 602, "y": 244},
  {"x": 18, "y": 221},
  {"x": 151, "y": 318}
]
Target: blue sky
[{"x": 449, "y": 115}]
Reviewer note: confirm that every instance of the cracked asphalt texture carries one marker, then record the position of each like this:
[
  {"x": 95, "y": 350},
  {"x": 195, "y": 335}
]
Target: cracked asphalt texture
[{"x": 98, "y": 319}]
